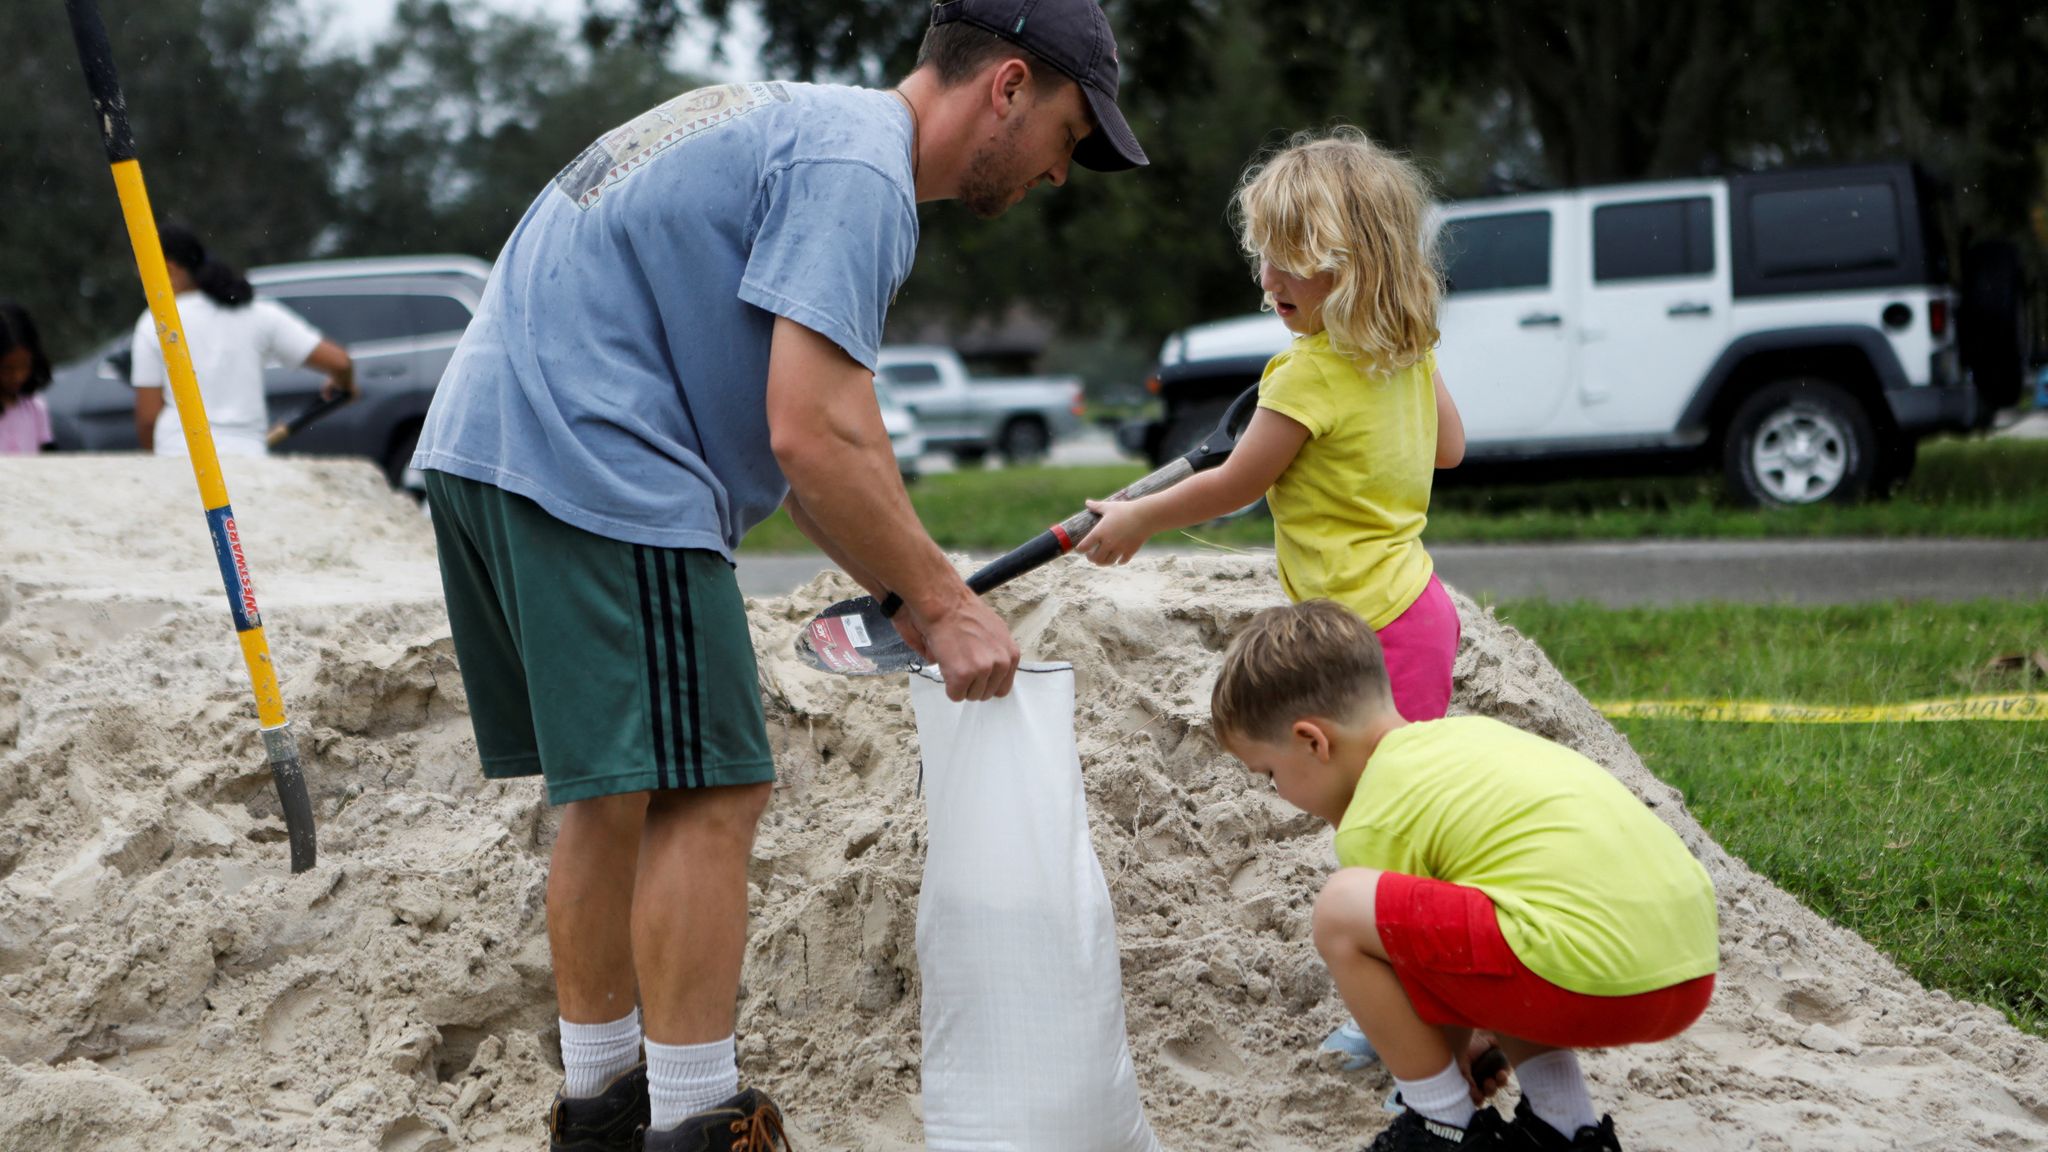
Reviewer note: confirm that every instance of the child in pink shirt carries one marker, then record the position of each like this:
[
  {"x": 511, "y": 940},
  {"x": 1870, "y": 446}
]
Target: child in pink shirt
[{"x": 24, "y": 371}]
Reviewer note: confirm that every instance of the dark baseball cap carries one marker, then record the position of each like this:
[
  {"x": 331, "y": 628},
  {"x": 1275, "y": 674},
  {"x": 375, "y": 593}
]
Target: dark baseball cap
[{"x": 1072, "y": 36}]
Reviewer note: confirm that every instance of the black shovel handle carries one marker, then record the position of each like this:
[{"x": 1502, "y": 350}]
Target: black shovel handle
[
  {"x": 1060, "y": 539},
  {"x": 279, "y": 433}
]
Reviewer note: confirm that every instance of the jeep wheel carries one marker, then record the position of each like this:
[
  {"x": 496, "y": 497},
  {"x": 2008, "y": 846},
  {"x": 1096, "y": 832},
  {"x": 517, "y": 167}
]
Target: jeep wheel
[
  {"x": 1023, "y": 441},
  {"x": 1799, "y": 442}
]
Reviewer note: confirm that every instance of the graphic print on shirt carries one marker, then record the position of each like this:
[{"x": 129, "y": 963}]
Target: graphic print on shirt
[{"x": 626, "y": 149}]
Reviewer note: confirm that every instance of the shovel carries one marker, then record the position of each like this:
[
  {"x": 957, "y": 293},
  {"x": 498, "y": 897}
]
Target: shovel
[
  {"x": 854, "y": 637},
  {"x": 285, "y": 429}
]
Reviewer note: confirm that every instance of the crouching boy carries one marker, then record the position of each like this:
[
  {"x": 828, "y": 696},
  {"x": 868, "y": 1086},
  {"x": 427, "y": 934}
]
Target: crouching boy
[{"x": 1490, "y": 880}]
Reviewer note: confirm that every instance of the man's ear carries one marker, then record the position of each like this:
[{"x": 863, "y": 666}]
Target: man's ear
[
  {"x": 1007, "y": 85},
  {"x": 1315, "y": 735}
]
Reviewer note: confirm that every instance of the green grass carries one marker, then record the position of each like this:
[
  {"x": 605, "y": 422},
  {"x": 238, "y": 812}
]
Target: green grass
[
  {"x": 1990, "y": 488},
  {"x": 1931, "y": 840}
]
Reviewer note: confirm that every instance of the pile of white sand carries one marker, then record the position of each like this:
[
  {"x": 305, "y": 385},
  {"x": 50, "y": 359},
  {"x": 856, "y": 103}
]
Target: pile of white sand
[{"x": 166, "y": 984}]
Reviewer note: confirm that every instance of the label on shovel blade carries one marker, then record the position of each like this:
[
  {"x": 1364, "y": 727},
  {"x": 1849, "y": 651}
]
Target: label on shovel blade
[
  {"x": 857, "y": 631},
  {"x": 835, "y": 648}
]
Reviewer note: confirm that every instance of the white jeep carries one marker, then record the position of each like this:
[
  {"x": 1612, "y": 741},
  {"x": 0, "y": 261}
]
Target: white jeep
[{"x": 1797, "y": 327}]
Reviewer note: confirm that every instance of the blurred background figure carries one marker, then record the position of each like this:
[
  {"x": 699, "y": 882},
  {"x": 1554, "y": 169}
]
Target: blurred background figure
[
  {"x": 24, "y": 371},
  {"x": 232, "y": 337}
]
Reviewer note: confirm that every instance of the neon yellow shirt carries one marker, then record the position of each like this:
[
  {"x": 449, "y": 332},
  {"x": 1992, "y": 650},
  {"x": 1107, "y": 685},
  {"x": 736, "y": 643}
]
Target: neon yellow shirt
[
  {"x": 1348, "y": 512},
  {"x": 1593, "y": 892}
]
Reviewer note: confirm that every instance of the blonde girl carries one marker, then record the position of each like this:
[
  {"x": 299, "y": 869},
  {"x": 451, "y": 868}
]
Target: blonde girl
[{"x": 1353, "y": 419}]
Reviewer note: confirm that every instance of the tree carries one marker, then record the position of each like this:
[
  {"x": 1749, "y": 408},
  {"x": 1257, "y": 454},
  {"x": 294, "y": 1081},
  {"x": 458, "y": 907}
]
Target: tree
[
  {"x": 236, "y": 118},
  {"x": 468, "y": 114}
]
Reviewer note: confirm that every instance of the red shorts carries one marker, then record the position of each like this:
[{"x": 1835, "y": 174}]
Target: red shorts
[{"x": 1447, "y": 950}]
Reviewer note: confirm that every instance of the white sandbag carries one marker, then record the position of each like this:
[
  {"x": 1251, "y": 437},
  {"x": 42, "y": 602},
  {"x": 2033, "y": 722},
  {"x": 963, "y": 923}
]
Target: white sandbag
[{"x": 1024, "y": 1045}]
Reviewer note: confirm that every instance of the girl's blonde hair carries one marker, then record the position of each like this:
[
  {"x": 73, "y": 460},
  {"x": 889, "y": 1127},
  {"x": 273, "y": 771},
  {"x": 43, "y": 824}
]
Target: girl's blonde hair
[{"x": 1339, "y": 203}]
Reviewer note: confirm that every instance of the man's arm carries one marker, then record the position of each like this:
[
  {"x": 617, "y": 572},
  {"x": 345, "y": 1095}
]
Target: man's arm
[
  {"x": 831, "y": 548},
  {"x": 826, "y": 432},
  {"x": 852, "y": 567}
]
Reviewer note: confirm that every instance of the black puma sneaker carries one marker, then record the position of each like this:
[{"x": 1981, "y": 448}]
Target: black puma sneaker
[
  {"x": 1529, "y": 1133},
  {"x": 1412, "y": 1132}
]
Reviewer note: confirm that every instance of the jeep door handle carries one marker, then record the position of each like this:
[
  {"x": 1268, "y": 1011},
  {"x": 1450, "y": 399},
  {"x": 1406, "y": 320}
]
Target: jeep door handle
[
  {"x": 1693, "y": 309},
  {"x": 1542, "y": 320}
]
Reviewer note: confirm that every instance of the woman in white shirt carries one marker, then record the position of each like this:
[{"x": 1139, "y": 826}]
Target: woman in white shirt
[{"x": 232, "y": 337}]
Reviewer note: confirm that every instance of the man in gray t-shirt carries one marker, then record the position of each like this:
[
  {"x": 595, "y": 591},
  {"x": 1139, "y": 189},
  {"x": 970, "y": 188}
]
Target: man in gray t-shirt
[{"x": 679, "y": 337}]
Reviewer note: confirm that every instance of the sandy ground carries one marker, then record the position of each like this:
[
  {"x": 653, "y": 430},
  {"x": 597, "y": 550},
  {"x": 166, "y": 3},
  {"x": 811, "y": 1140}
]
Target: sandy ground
[{"x": 166, "y": 984}]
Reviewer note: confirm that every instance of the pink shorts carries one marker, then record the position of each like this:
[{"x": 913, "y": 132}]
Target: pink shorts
[{"x": 1421, "y": 645}]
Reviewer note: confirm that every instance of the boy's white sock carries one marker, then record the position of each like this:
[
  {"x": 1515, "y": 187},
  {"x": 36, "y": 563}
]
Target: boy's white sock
[
  {"x": 686, "y": 1078},
  {"x": 1556, "y": 1091},
  {"x": 1445, "y": 1097},
  {"x": 593, "y": 1055}
]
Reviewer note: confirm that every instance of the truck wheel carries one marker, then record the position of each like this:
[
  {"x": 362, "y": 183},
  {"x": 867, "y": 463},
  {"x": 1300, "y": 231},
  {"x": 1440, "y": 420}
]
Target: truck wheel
[
  {"x": 970, "y": 457},
  {"x": 1799, "y": 442},
  {"x": 1024, "y": 441}
]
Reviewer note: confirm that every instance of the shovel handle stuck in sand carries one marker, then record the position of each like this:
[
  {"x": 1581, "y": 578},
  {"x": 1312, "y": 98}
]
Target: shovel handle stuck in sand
[
  {"x": 286, "y": 429},
  {"x": 855, "y": 638},
  {"x": 110, "y": 110}
]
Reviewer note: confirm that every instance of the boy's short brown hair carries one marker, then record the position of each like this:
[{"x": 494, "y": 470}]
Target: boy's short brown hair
[{"x": 1316, "y": 658}]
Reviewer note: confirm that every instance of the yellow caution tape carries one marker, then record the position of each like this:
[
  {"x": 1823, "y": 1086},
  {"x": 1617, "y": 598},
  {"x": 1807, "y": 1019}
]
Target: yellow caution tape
[{"x": 2024, "y": 706}]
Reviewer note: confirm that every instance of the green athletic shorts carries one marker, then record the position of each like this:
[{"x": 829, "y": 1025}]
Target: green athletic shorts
[{"x": 603, "y": 666}]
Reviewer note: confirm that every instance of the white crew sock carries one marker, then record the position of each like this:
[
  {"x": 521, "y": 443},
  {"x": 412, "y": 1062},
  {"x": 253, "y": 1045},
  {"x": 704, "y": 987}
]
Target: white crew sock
[
  {"x": 1445, "y": 1097},
  {"x": 686, "y": 1078},
  {"x": 593, "y": 1055},
  {"x": 1556, "y": 1091}
]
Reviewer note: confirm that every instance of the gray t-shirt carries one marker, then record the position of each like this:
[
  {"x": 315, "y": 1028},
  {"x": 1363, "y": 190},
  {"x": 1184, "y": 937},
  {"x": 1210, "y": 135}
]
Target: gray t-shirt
[{"x": 616, "y": 372}]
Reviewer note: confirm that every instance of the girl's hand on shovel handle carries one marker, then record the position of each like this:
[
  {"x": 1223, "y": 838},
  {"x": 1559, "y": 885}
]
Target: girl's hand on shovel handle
[{"x": 1123, "y": 530}]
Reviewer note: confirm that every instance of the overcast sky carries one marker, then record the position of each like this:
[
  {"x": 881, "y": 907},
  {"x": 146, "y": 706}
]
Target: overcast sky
[{"x": 359, "y": 21}]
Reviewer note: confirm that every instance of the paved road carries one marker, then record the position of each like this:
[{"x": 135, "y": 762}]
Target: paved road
[{"x": 1777, "y": 571}]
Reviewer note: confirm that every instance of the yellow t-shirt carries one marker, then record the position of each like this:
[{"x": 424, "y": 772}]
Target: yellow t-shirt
[
  {"x": 1348, "y": 512},
  {"x": 1593, "y": 892}
]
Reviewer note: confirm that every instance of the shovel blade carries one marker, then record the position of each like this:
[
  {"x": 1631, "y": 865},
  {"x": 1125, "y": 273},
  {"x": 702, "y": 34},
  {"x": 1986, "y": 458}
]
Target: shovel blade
[{"x": 853, "y": 638}]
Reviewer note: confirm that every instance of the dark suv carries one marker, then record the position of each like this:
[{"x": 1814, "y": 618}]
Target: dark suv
[{"x": 399, "y": 317}]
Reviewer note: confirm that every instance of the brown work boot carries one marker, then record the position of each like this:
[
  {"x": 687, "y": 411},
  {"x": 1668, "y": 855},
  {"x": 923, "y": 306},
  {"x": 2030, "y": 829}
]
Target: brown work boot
[
  {"x": 607, "y": 1122},
  {"x": 749, "y": 1122}
]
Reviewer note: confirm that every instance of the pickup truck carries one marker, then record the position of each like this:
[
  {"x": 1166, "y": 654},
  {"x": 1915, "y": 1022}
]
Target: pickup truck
[{"x": 971, "y": 416}]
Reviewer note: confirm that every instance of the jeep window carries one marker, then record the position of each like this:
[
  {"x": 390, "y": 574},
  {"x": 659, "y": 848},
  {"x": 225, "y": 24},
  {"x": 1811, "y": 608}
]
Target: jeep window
[
  {"x": 359, "y": 319},
  {"x": 910, "y": 375},
  {"x": 1802, "y": 231},
  {"x": 1488, "y": 253},
  {"x": 1654, "y": 239}
]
